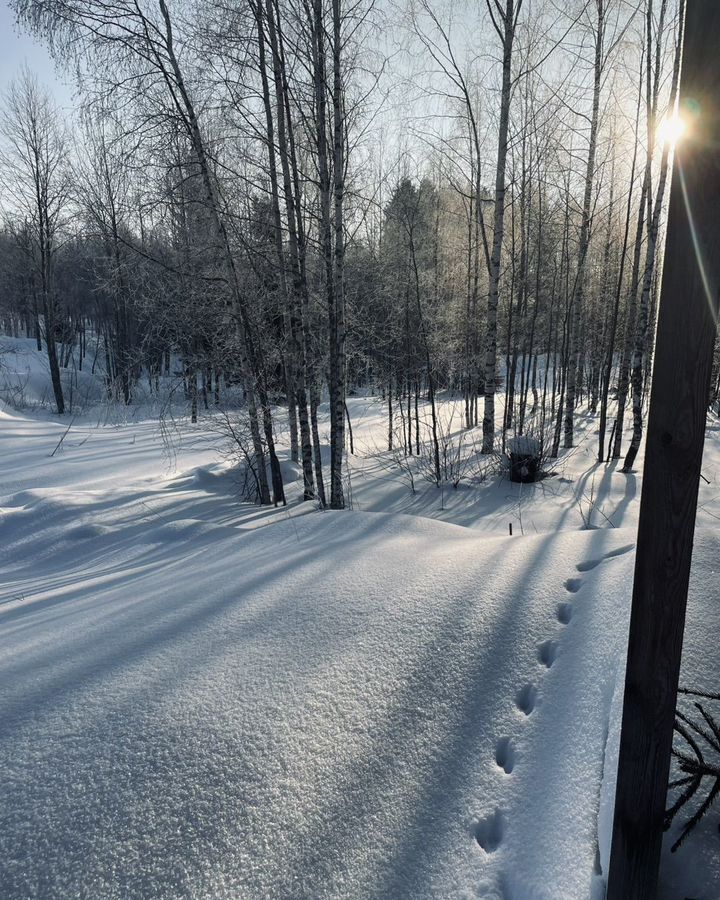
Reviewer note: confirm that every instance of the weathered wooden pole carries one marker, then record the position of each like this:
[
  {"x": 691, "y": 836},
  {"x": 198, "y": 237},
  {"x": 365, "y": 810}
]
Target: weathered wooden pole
[{"x": 675, "y": 434}]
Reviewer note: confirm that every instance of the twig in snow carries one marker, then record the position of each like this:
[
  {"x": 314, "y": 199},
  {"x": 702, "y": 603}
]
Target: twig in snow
[{"x": 57, "y": 446}]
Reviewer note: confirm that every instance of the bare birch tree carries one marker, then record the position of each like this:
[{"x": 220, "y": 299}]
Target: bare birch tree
[
  {"x": 504, "y": 20},
  {"x": 36, "y": 177}
]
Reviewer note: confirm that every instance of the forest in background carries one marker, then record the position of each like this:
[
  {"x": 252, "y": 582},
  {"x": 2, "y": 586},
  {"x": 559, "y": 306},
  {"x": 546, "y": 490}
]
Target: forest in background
[{"x": 305, "y": 198}]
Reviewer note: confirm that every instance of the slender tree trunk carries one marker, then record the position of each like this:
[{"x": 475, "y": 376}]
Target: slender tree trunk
[
  {"x": 637, "y": 370},
  {"x": 428, "y": 362},
  {"x": 317, "y": 448},
  {"x": 296, "y": 298},
  {"x": 48, "y": 302},
  {"x": 192, "y": 378},
  {"x": 630, "y": 319},
  {"x": 390, "y": 414},
  {"x": 337, "y": 310},
  {"x": 584, "y": 243},
  {"x": 333, "y": 258},
  {"x": 508, "y": 23},
  {"x": 610, "y": 353},
  {"x": 417, "y": 419},
  {"x": 292, "y": 415}
]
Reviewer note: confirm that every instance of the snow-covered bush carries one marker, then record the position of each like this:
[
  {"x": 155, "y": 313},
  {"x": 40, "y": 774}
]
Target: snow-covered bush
[{"x": 525, "y": 458}]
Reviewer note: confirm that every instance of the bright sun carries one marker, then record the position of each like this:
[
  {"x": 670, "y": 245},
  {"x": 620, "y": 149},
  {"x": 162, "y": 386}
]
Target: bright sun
[{"x": 671, "y": 129}]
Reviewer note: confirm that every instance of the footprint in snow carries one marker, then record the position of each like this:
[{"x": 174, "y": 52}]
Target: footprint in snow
[
  {"x": 573, "y": 585},
  {"x": 593, "y": 563},
  {"x": 621, "y": 551},
  {"x": 505, "y": 755},
  {"x": 564, "y": 613},
  {"x": 588, "y": 564},
  {"x": 547, "y": 653},
  {"x": 526, "y": 698},
  {"x": 489, "y": 831}
]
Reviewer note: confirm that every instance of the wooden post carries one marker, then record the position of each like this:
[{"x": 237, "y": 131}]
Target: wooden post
[{"x": 675, "y": 435}]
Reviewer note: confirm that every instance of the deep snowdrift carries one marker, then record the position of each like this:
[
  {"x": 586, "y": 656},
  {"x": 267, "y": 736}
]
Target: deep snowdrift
[
  {"x": 349, "y": 705},
  {"x": 200, "y": 699}
]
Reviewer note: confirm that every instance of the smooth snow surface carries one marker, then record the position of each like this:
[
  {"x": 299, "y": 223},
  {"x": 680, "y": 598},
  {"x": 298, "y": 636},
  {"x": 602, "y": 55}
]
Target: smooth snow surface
[{"x": 203, "y": 699}]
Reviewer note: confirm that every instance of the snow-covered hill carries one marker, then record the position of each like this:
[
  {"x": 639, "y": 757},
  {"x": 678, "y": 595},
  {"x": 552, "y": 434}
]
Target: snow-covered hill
[{"x": 204, "y": 699}]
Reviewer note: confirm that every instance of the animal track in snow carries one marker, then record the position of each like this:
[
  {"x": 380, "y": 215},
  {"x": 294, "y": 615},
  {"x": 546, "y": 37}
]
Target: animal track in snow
[
  {"x": 547, "y": 652},
  {"x": 573, "y": 585},
  {"x": 505, "y": 755},
  {"x": 489, "y": 831},
  {"x": 588, "y": 564},
  {"x": 621, "y": 551},
  {"x": 564, "y": 613},
  {"x": 593, "y": 563},
  {"x": 526, "y": 698}
]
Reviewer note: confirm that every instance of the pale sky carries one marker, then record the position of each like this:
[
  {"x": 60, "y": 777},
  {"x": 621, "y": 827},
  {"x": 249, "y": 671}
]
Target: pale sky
[{"x": 17, "y": 47}]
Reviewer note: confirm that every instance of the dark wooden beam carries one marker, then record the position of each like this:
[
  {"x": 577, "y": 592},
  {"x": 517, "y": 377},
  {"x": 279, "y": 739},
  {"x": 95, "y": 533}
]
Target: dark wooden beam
[{"x": 675, "y": 434}]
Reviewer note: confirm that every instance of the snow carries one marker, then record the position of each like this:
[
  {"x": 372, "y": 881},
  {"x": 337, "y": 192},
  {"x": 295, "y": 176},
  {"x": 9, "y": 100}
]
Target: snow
[
  {"x": 200, "y": 698},
  {"x": 524, "y": 445}
]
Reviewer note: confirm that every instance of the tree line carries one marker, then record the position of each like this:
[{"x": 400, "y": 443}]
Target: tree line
[{"x": 265, "y": 192}]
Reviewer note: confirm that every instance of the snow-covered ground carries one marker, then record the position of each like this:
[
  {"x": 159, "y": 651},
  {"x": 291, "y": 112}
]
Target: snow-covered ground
[{"x": 200, "y": 698}]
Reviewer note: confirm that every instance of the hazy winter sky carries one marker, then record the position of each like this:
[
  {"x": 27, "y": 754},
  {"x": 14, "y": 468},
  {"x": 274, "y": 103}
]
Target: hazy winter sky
[{"x": 17, "y": 47}]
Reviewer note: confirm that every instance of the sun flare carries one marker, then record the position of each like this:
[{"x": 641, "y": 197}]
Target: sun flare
[{"x": 671, "y": 130}]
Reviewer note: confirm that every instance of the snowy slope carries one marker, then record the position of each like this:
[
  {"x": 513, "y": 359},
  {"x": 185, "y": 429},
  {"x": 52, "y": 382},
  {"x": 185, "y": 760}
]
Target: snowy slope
[
  {"x": 204, "y": 699},
  {"x": 210, "y": 713}
]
